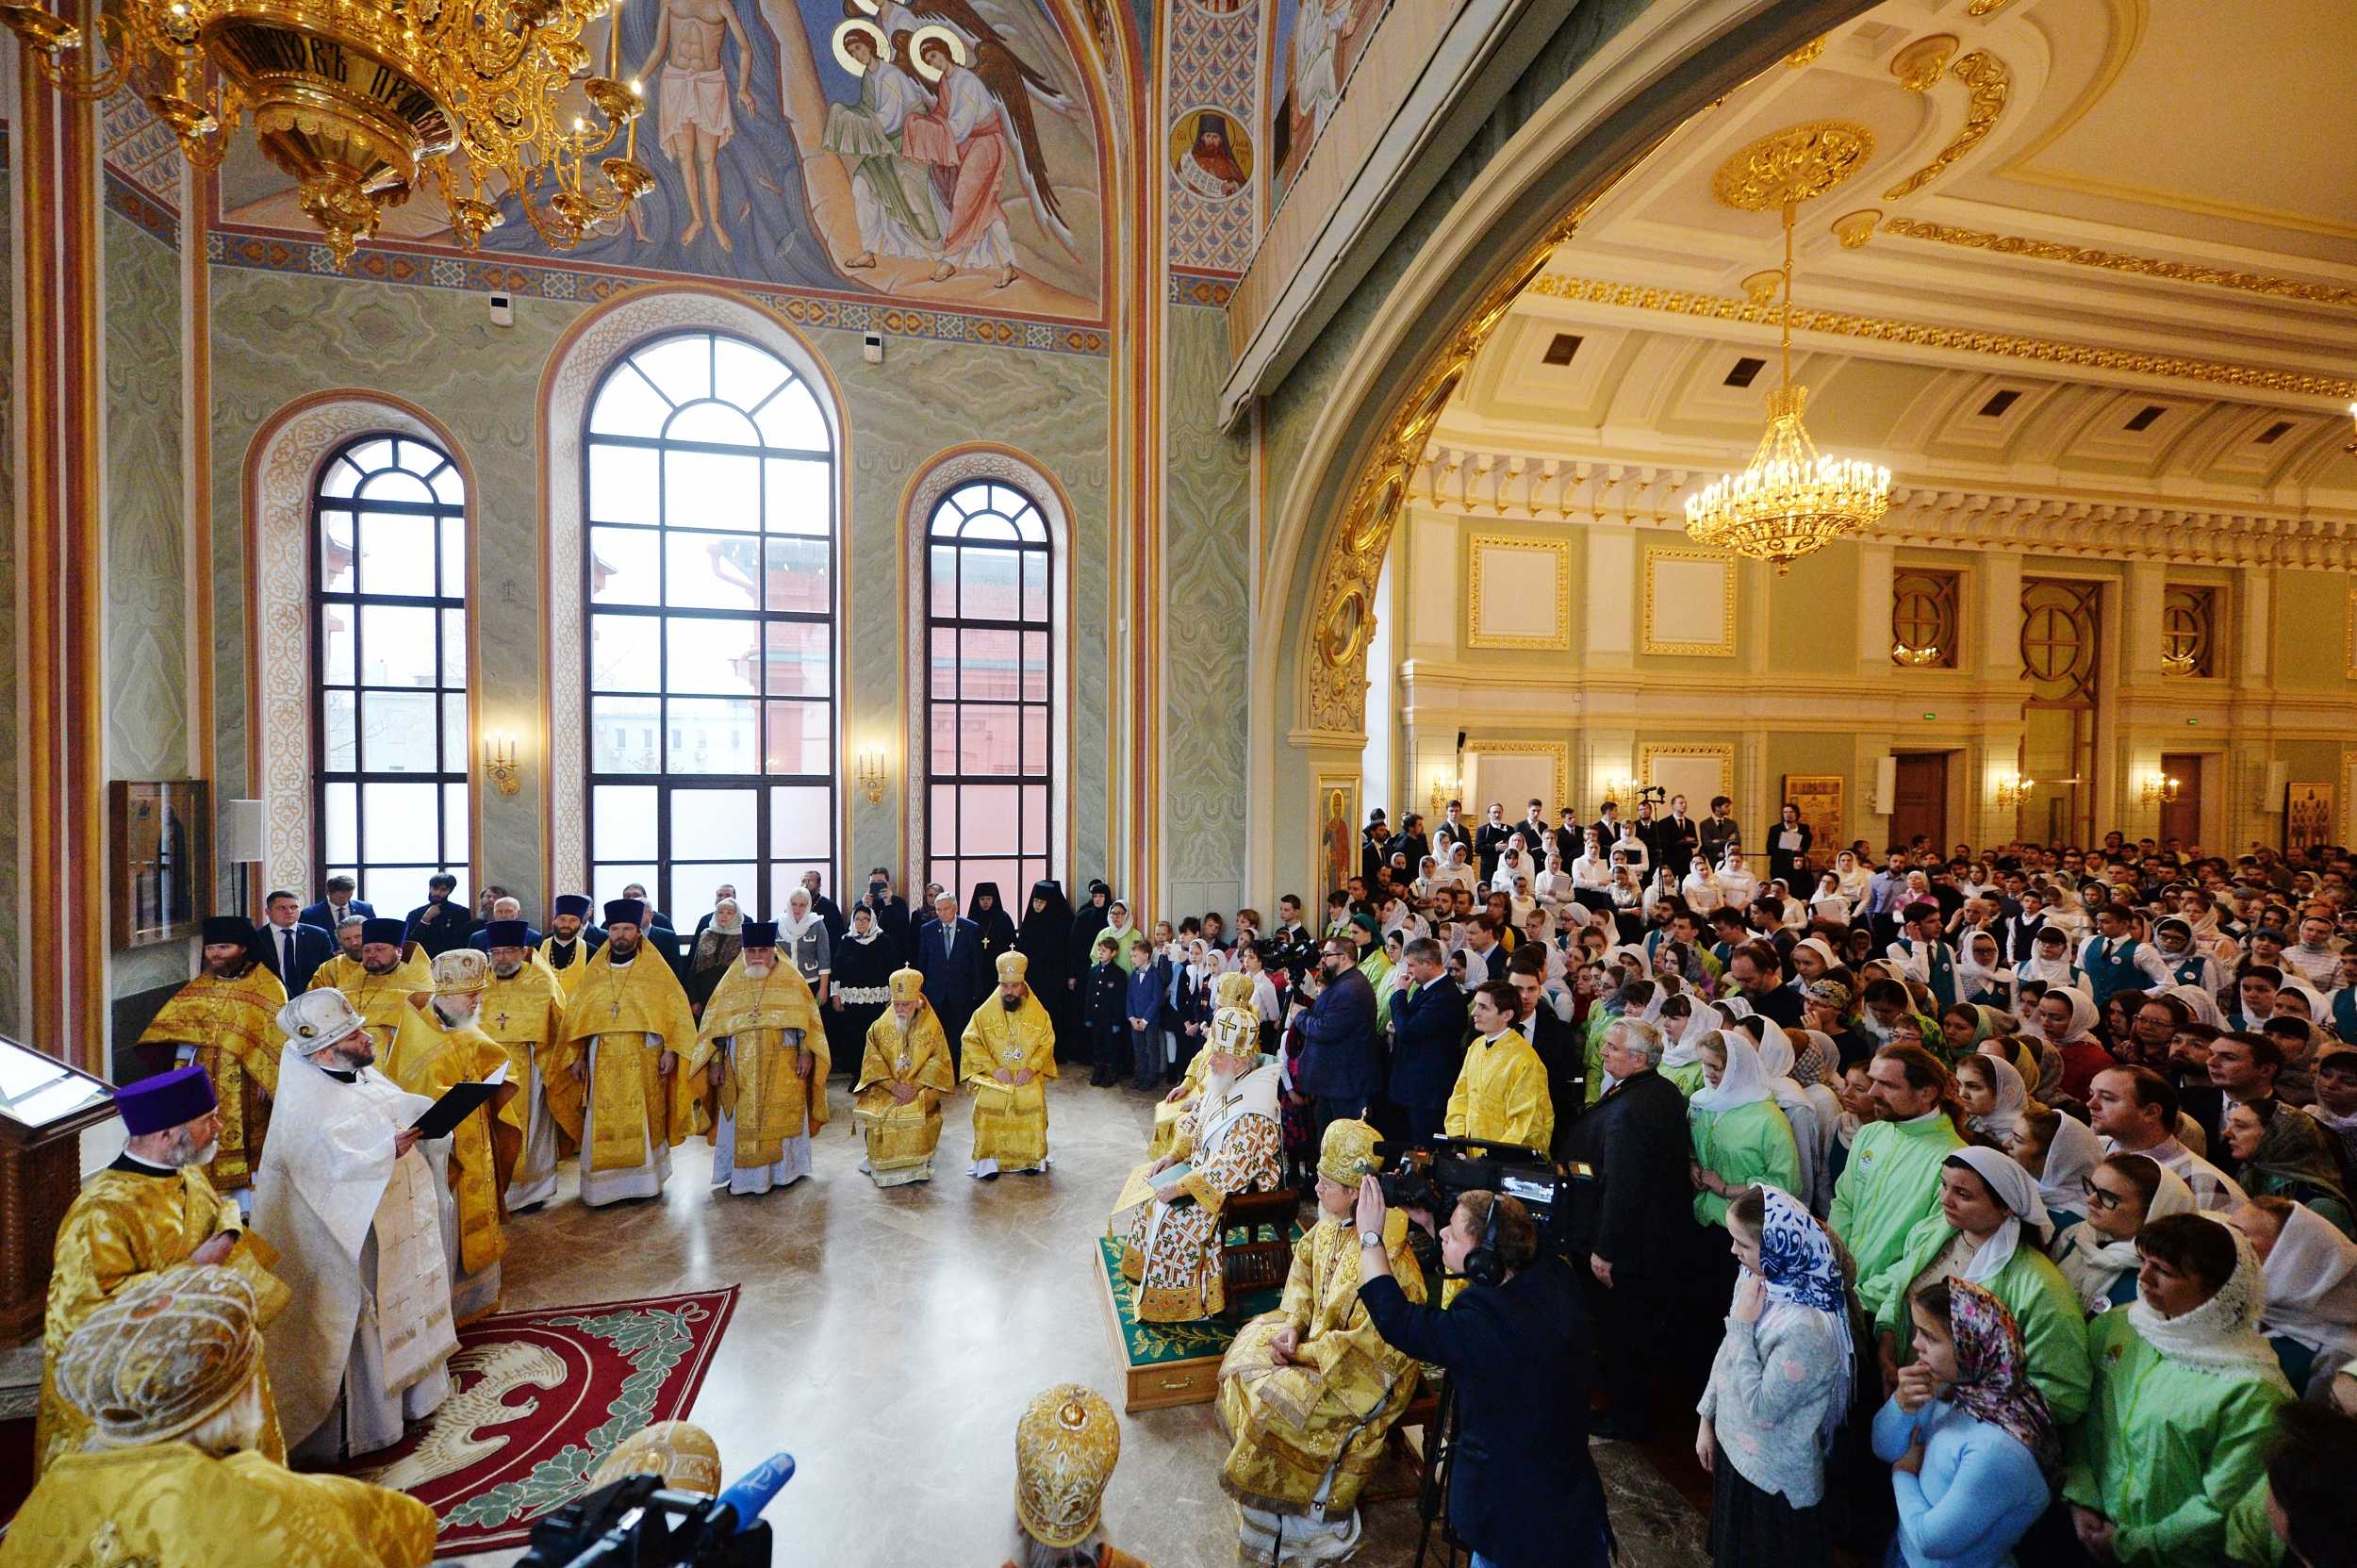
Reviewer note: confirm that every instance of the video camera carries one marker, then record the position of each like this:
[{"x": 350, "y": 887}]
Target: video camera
[
  {"x": 635, "y": 1523},
  {"x": 1433, "y": 1175}
]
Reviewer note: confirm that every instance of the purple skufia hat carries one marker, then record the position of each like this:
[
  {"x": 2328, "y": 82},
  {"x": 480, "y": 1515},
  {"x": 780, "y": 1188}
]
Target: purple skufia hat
[{"x": 166, "y": 1101}]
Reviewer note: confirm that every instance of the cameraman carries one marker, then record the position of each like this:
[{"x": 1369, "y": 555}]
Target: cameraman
[{"x": 1523, "y": 1491}]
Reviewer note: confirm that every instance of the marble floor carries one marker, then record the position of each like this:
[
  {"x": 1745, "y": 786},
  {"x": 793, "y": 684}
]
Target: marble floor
[{"x": 889, "y": 1339}]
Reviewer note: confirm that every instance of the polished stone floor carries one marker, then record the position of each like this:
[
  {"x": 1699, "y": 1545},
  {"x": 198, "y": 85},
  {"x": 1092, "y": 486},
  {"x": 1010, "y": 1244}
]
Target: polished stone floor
[{"x": 890, "y": 1338}]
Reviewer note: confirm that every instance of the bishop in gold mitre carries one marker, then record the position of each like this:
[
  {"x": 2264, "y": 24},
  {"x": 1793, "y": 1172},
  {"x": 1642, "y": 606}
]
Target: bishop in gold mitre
[
  {"x": 1309, "y": 1391},
  {"x": 225, "y": 1021},
  {"x": 1009, "y": 1050},
  {"x": 1232, "y": 989},
  {"x": 523, "y": 1009},
  {"x": 568, "y": 945},
  {"x": 903, "y": 1073},
  {"x": 167, "y": 1379},
  {"x": 1231, "y": 1142},
  {"x": 390, "y": 972},
  {"x": 1066, "y": 1444},
  {"x": 757, "y": 1078},
  {"x": 149, "y": 1213},
  {"x": 439, "y": 1046},
  {"x": 627, "y": 1026}
]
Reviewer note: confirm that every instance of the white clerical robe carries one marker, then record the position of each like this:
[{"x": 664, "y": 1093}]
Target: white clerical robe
[
  {"x": 535, "y": 1180},
  {"x": 793, "y": 1161},
  {"x": 364, "y": 1241},
  {"x": 645, "y": 1178}
]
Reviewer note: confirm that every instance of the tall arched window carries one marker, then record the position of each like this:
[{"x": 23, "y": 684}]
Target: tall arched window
[
  {"x": 710, "y": 572},
  {"x": 389, "y": 580},
  {"x": 990, "y": 691}
]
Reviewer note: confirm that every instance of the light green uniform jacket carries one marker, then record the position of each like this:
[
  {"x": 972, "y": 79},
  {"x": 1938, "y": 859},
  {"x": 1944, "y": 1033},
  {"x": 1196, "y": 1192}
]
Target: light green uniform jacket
[
  {"x": 1752, "y": 1143},
  {"x": 1891, "y": 1181},
  {"x": 2044, "y": 1308}
]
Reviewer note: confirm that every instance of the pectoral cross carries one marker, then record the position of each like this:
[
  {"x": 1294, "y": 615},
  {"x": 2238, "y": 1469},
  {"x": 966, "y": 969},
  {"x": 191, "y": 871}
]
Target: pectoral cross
[{"x": 501, "y": 1020}]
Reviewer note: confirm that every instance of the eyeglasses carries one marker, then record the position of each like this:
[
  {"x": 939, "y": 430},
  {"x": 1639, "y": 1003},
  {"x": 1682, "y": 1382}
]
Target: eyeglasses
[{"x": 2100, "y": 1199}]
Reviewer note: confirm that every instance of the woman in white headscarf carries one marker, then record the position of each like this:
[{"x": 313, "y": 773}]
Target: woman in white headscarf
[
  {"x": 2098, "y": 1255},
  {"x": 1990, "y": 1228},
  {"x": 1701, "y": 887},
  {"x": 1681, "y": 1061},
  {"x": 1851, "y": 876},
  {"x": 1735, "y": 885},
  {"x": 1981, "y": 975},
  {"x": 1591, "y": 870},
  {"x": 2201, "y": 1004},
  {"x": 2049, "y": 961},
  {"x": 2310, "y": 1273},
  {"x": 1829, "y": 902},
  {"x": 1996, "y": 1099},
  {"x": 1812, "y": 1122},
  {"x": 2059, "y": 1150},
  {"x": 1740, "y": 1136}
]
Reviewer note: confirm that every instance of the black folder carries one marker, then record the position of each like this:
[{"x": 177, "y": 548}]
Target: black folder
[{"x": 457, "y": 1103}]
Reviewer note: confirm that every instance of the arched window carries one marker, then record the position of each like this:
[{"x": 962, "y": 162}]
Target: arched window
[
  {"x": 990, "y": 691},
  {"x": 388, "y": 631},
  {"x": 710, "y": 583}
]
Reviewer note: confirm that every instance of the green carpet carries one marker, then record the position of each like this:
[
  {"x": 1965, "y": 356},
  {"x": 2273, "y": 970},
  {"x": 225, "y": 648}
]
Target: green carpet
[{"x": 1162, "y": 1344}]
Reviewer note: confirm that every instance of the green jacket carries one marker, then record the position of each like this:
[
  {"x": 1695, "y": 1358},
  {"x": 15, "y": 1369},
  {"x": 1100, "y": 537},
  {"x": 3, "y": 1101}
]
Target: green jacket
[
  {"x": 2166, "y": 1451},
  {"x": 1749, "y": 1144},
  {"x": 1689, "y": 1077},
  {"x": 1891, "y": 1181},
  {"x": 2044, "y": 1308}
]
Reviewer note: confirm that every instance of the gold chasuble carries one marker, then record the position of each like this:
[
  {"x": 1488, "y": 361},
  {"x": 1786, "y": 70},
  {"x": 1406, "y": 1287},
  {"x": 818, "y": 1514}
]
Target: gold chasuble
[
  {"x": 901, "y": 1134},
  {"x": 344, "y": 972},
  {"x": 526, "y": 1013},
  {"x": 629, "y": 1113},
  {"x": 1010, "y": 1119},
  {"x": 763, "y": 1100},
  {"x": 428, "y": 1057},
  {"x": 233, "y": 1025},
  {"x": 125, "y": 1225},
  {"x": 568, "y": 978},
  {"x": 173, "y": 1506}
]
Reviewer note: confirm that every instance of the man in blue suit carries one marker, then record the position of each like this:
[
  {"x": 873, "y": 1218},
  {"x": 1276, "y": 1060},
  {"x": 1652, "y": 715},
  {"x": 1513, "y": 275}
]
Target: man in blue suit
[
  {"x": 949, "y": 955},
  {"x": 292, "y": 950},
  {"x": 1428, "y": 1024},
  {"x": 330, "y": 912},
  {"x": 1344, "y": 1070}
]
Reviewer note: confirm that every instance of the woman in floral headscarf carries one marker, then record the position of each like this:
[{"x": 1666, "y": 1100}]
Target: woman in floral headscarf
[
  {"x": 1967, "y": 1437},
  {"x": 2185, "y": 1401},
  {"x": 1779, "y": 1385}
]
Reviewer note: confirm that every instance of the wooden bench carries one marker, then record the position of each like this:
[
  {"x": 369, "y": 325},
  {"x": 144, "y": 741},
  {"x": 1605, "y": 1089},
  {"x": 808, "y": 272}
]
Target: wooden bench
[{"x": 1261, "y": 1259}]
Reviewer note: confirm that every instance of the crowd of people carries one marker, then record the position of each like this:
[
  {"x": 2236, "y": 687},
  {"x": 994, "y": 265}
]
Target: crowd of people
[{"x": 1974, "y": 1205}]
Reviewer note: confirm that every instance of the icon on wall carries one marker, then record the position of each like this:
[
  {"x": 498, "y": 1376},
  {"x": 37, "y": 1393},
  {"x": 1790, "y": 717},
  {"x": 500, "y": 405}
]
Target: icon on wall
[
  {"x": 1211, "y": 154},
  {"x": 162, "y": 859},
  {"x": 2307, "y": 816}
]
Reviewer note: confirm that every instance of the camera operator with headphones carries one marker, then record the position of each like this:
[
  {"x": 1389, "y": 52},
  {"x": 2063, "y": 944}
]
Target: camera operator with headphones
[{"x": 1523, "y": 1491}]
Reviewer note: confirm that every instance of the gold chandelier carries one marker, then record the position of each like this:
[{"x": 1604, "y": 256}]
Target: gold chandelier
[
  {"x": 1790, "y": 500},
  {"x": 363, "y": 102}
]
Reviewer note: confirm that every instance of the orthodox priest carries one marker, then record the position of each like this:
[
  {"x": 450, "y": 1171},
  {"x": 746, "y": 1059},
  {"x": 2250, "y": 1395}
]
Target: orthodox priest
[
  {"x": 626, "y": 1027},
  {"x": 150, "y": 1211},
  {"x": 1230, "y": 990},
  {"x": 1009, "y": 1050},
  {"x": 440, "y": 1045},
  {"x": 225, "y": 1021},
  {"x": 349, "y": 969},
  {"x": 390, "y": 973},
  {"x": 524, "y": 1010},
  {"x": 357, "y": 1201},
  {"x": 904, "y": 1071},
  {"x": 762, "y": 1057},
  {"x": 1309, "y": 1390},
  {"x": 859, "y": 987},
  {"x": 570, "y": 941},
  {"x": 1232, "y": 1142}
]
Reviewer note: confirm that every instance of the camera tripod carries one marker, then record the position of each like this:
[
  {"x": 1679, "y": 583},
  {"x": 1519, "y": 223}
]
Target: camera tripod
[{"x": 1432, "y": 1496}]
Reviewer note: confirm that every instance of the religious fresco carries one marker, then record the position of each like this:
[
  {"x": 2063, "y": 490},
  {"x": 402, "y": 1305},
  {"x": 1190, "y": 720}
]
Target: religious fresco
[
  {"x": 943, "y": 153},
  {"x": 1314, "y": 46},
  {"x": 1211, "y": 154}
]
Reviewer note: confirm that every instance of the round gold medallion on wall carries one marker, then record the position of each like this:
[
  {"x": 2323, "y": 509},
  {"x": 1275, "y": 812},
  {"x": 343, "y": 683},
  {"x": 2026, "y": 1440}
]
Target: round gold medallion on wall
[{"x": 1793, "y": 165}]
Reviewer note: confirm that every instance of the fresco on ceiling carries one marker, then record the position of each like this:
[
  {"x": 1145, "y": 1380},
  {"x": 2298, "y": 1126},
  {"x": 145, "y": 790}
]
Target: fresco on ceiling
[
  {"x": 939, "y": 152},
  {"x": 1314, "y": 46}
]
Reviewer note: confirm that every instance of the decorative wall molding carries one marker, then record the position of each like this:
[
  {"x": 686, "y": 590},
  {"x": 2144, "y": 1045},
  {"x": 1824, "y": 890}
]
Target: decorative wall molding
[
  {"x": 1556, "y": 752},
  {"x": 1518, "y": 555},
  {"x": 2117, "y": 261},
  {"x": 1652, "y": 754},
  {"x": 1987, "y": 85},
  {"x": 1678, "y": 611}
]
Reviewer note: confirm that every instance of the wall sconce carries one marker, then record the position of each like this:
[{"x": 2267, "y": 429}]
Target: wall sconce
[
  {"x": 870, "y": 769},
  {"x": 1444, "y": 789},
  {"x": 2160, "y": 790},
  {"x": 1626, "y": 791},
  {"x": 2013, "y": 791},
  {"x": 2351, "y": 448},
  {"x": 1914, "y": 657},
  {"x": 499, "y": 761}
]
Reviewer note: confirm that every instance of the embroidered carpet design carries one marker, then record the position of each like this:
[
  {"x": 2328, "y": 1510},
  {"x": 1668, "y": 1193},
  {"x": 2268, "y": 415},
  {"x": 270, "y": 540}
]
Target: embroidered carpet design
[
  {"x": 1162, "y": 1344},
  {"x": 537, "y": 1401}
]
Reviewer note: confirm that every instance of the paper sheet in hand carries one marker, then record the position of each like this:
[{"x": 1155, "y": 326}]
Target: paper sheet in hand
[{"x": 457, "y": 1103}]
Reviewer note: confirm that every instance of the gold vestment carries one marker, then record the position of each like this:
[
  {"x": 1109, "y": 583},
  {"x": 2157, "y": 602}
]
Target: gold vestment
[
  {"x": 428, "y": 1057},
  {"x": 1171, "y": 1252},
  {"x": 761, "y": 1089},
  {"x": 525, "y": 1014},
  {"x": 900, "y": 1138},
  {"x": 632, "y": 1108},
  {"x": 1010, "y": 1119},
  {"x": 234, "y": 1026}
]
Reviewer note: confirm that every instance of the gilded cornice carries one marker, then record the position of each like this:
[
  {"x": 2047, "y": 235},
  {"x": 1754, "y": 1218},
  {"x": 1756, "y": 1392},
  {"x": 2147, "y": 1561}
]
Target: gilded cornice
[
  {"x": 2044, "y": 351},
  {"x": 1988, "y": 83},
  {"x": 2115, "y": 262}
]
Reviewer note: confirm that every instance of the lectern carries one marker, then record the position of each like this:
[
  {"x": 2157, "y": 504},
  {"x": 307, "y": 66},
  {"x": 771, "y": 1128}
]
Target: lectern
[{"x": 44, "y": 1105}]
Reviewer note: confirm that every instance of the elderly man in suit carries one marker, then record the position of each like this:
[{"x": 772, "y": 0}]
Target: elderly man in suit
[
  {"x": 949, "y": 956},
  {"x": 292, "y": 950},
  {"x": 1427, "y": 1040}
]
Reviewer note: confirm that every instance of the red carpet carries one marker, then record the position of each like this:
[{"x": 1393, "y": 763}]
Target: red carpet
[{"x": 538, "y": 1400}]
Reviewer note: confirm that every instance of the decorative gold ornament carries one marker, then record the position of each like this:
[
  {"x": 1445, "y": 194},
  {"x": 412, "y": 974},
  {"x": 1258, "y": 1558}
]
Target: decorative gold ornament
[
  {"x": 1760, "y": 286},
  {"x": 1066, "y": 1444},
  {"x": 363, "y": 103},
  {"x": 2159, "y": 790},
  {"x": 1987, "y": 81},
  {"x": 1796, "y": 164},
  {"x": 2137, "y": 266},
  {"x": 2013, "y": 791},
  {"x": 1913, "y": 658},
  {"x": 1919, "y": 65},
  {"x": 1790, "y": 501},
  {"x": 1807, "y": 55},
  {"x": 1853, "y": 229},
  {"x": 2179, "y": 664},
  {"x": 1982, "y": 10}
]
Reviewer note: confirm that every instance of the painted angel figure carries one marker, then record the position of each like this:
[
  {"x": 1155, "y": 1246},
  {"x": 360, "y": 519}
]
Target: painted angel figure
[{"x": 898, "y": 211}]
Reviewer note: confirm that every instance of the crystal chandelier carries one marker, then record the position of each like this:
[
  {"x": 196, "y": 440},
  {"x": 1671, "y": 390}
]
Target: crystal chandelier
[
  {"x": 1790, "y": 500},
  {"x": 363, "y": 102}
]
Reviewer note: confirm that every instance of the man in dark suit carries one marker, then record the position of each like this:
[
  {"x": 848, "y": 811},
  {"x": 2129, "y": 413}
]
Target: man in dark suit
[
  {"x": 1568, "y": 839},
  {"x": 658, "y": 932},
  {"x": 1342, "y": 1069},
  {"x": 503, "y": 908},
  {"x": 1717, "y": 831},
  {"x": 1677, "y": 838},
  {"x": 1490, "y": 841},
  {"x": 1533, "y": 830},
  {"x": 949, "y": 955},
  {"x": 330, "y": 912},
  {"x": 292, "y": 950},
  {"x": 1632, "y": 1225},
  {"x": 1560, "y": 1050},
  {"x": 1428, "y": 1041},
  {"x": 438, "y": 925},
  {"x": 1756, "y": 971}
]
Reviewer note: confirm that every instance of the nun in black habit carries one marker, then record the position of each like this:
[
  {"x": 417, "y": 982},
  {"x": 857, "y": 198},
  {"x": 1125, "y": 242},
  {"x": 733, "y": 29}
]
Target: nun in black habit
[{"x": 1046, "y": 940}]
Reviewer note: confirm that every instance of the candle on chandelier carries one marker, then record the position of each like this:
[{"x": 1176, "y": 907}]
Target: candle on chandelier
[{"x": 614, "y": 42}]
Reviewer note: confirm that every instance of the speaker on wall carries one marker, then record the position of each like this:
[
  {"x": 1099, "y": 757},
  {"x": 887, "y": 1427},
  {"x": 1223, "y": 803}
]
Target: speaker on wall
[
  {"x": 240, "y": 832},
  {"x": 1886, "y": 785}
]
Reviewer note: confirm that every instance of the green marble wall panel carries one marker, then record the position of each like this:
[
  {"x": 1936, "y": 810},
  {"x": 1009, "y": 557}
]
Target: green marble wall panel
[
  {"x": 1207, "y": 498},
  {"x": 11, "y": 798},
  {"x": 279, "y": 337}
]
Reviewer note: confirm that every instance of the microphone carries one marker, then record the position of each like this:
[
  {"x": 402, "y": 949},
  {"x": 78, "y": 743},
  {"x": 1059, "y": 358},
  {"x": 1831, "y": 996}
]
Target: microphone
[{"x": 742, "y": 1503}]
